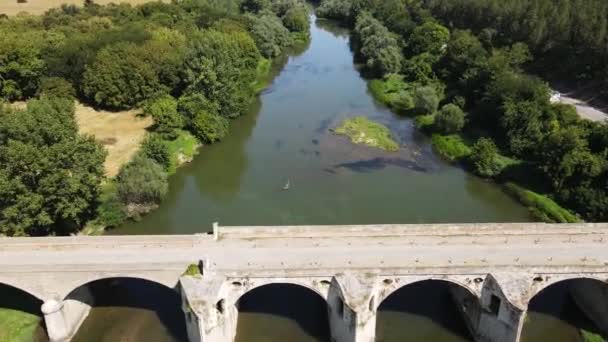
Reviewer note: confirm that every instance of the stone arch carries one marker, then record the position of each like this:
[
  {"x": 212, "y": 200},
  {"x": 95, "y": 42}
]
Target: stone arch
[
  {"x": 13, "y": 297},
  {"x": 541, "y": 282},
  {"x": 392, "y": 285},
  {"x": 304, "y": 305},
  {"x": 79, "y": 283},
  {"x": 586, "y": 294},
  {"x": 23, "y": 288},
  {"x": 442, "y": 302},
  {"x": 237, "y": 288},
  {"x": 133, "y": 292}
]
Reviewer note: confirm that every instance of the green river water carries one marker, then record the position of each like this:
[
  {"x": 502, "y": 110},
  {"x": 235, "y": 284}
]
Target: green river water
[{"x": 286, "y": 137}]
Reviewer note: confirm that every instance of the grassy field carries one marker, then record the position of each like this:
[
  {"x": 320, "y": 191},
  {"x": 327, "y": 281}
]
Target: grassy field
[
  {"x": 12, "y": 7},
  {"x": 361, "y": 130},
  {"x": 17, "y": 326},
  {"x": 121, "y": 133}
]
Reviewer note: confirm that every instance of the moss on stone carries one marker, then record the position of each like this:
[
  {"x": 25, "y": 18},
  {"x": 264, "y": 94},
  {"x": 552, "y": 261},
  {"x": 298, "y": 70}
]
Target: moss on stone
[
  {"x": 192, "y": 270},
  {"x": 361, "y": 130}
]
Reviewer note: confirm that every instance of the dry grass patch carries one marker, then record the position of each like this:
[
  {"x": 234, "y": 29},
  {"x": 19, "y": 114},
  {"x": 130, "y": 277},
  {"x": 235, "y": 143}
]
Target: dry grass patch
[
  {"x": 12, "y": 7},
  {"x": 121, "y": 133}
]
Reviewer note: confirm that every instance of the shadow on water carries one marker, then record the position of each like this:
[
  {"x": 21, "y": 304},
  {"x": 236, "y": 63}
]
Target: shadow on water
[
  {"x": 380, "y": 163},
  {"x": 553, "y": 315},
  {"x": 129, "y": 309},
  {"x": 282, "y": 312},
  {"x": 422, "y": 311}
]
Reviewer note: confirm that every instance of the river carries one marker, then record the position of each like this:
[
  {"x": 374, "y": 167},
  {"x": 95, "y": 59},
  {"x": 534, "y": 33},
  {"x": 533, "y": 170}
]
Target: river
[{"x": 286, "y": 137}]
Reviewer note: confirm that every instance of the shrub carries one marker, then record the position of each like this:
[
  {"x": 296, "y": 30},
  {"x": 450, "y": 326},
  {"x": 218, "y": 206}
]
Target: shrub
[
  {"x": 450, "y": 119},
  {"x": 426, "y": 99},
  {"x": 451, "y": 147},
  {"x": 484, "y": 158},
  {"x": 209, "y": 127},
  {"x": 540, "y": 206},
  {"x": 56, "y": 87},
  {"x": 156, "y": 148},
  {"x": 111, "y": 211},
  {"x": 142, "y": 181},
  {"x": 166, "y": 117},
  {"x": 191, "y": 104}
]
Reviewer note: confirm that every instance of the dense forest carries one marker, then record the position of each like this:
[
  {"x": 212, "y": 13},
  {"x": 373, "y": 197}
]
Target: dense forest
[
  {"x": 192, "y": 65},
  {"x": 461, "y": 68}
]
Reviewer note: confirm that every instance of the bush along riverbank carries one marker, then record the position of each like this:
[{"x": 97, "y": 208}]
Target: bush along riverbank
[
  {"x": 480, "y": 108},
  {"x": 192, "y": 66}
]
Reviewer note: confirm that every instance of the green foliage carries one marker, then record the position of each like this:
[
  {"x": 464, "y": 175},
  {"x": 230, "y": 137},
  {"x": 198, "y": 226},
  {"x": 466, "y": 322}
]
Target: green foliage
[
  {"x": 296, "y": 19},
  {"x": 167, "y": 120},
  {"x": 270, "y": 36},
  {"x": 120, "y": 77},
  {"x": 379, "y": 47},
  {"x": 56, "y": 87},
  {"x": 425, "y": 122},
  {"x": 208, "y": 127},
  {"x": 429, "y": 38},
  {"x": 17, "y": 326},
  {"x": 255, "y": 6},
  {"x": 540, "y": 206},
  {"x": 484, "y": 158},
  {"x": 451, "y": 147},
  {"x": 156, "y": 148},
  {"x": 426, "y": 99},
  {"x": 111, "y": 211},
  {"x": 591, "y": 337},
  {"x": 393, "y": 91},
  {"x": 361, "y": 130},
  {"x": 49, "y": 175},
  {"x": 182, "y": 149},
  {"x": 450, "y": 119},
  {"x": 21, "y": 65},
  {"x": 192, "y": 270},
  {"x": 142, "y": 181}
]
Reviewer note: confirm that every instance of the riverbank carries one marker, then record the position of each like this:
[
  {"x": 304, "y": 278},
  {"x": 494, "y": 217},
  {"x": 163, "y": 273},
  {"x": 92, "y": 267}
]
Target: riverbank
[{"x": 458, "y": 147}]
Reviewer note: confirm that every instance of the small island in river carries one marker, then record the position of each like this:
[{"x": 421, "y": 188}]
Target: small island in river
[{"x": 361, "y": 130}]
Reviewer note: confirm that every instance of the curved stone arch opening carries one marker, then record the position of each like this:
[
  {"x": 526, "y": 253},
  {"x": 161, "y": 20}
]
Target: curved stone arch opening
[
  {"x": 22, "y": 306},
  {"x": 283, "y": 308},
  {"x": 155, "y": 302},
  {"x": 241, "y": 288},
  {"x": 420, "y": 309},
  {"x": 392, "y": 286},
  {"x": 575, "y": 303}
]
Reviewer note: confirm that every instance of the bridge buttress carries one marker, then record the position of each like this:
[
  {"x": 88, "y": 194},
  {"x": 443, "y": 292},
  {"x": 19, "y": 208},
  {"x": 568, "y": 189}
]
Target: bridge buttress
[
  {"x": 64, "y": 318},
  {"x": 209, "y": 317},
  {"x": 352, "y": 308}
]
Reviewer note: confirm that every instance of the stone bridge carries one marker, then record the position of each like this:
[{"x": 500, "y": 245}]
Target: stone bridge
[{"x": 495, "y": 270}]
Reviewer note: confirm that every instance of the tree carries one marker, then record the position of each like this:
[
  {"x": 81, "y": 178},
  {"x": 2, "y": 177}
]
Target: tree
[
  {"x": 49, "y": 175},
  {"x": 379, "y": 47},
  {"x": 484, "y": 158},
  {"x": 429, "y": 37},
  {"x": 142, "y": 181},
  {"x": 426, "y": 99},
  {"x": 450, "y": 119},
  {"x": 255, "y": 6},
  {"x": 56, "y": 87},
  {"x": 167, "y": 120},
  {"x": 209, "y": 127},
  {"x": 21, "y": 65},
  {"x": 270, "y": 36},
  {"x": 296, "y": 19},
  {"x": 155, "y": 148},
  {"x": 120, "y": 77}
]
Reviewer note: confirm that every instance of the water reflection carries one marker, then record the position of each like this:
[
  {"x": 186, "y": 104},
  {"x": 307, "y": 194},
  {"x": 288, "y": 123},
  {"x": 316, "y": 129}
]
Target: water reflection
[{"x": 282, "y": 312}]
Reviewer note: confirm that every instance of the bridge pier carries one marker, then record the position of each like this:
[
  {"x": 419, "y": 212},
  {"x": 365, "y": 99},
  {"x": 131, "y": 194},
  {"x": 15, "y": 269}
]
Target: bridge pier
[
  {"x": 208, "y": 317},
  {"x": 352, "y": 308},
  {"x": 495, "y": 318},
  {"x": 64, "y": 318}
]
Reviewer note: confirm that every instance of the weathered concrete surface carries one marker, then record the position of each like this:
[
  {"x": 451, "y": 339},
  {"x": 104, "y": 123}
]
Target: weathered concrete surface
[{"x": 360, "y": 265}]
